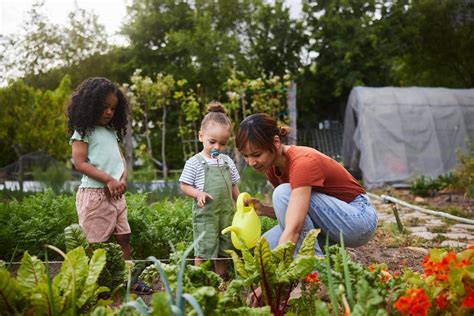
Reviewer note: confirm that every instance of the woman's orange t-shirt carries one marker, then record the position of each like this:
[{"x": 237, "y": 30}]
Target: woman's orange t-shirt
[{"x": 306, "y": 166}]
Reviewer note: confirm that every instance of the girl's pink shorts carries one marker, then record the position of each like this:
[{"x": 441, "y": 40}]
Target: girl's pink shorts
[{"x": 101, "y": 216}]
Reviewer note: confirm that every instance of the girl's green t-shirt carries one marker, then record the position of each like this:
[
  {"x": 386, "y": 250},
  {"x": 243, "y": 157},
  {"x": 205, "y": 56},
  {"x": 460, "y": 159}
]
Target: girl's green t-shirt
[{"x": 103, "y": 153}]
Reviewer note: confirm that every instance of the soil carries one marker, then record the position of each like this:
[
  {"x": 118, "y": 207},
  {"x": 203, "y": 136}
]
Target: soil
[
  {"x": 446, "y": 201},
  {"x": 377, "y": 250}
]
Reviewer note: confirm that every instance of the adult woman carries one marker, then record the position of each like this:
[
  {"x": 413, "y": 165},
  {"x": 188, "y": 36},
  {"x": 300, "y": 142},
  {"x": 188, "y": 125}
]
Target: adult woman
[{"x": 311, "y": 189}]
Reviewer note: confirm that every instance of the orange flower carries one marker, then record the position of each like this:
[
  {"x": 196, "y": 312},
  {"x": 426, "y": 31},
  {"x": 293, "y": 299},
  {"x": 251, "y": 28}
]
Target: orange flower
[
  {"x": 415, "y": 303},
  {"x": 385, "y": 276},
  {"x": 312, "y": 278},
  {"x": 442, "y": 300},
  {"x": 440, "y": 269},
  {"x": 469, "y": 300}
]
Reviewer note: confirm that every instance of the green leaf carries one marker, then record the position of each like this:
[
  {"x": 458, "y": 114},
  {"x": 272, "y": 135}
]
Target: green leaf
[
  {"x": 96, "y": 265},
  {"x": 368, "y": 301},
  {"x": 297, "y": 270},
  {"x": 266, "y": 268},
  {"x": 31, "y": 272},
  {"x": 347, "y": 274},
  {"x": 10, "y": 292},
  {"x": 455, "y": 277},
  {"x": 239, "y": 266},
  {"x": 249, "y": 260},
  {"x": 191, "y": 300},
  {"x": 161, "y": 303},
  {"x": 307, "y": 247},
  {"x": 75, "y": 237},
  {"x": 73, "y": 274},
  {"x": 249, "y": 311},
  {"x": 102, "y": 311},
  {"x": 39, "y": 299},
  {"x": 283, "y": 254}
]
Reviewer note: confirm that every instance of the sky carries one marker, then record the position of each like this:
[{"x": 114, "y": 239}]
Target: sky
[{"x": 111, "y": 13}]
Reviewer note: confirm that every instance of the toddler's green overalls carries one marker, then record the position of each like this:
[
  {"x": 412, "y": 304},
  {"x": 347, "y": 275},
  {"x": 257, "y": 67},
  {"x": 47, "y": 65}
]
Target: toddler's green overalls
[{"x": 217, "y": 213}]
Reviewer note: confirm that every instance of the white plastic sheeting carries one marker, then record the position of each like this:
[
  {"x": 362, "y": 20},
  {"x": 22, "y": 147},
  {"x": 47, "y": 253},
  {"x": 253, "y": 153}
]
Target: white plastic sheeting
[{"x": 396, "y": 134}]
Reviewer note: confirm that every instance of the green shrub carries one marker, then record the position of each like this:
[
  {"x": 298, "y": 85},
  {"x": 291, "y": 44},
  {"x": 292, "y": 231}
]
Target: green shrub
[
  {"x": 37, "y": 220},
  {"x": 41, "y": 218},
  {"x": 424, "y": 186},
  {"x": 464, "y": 172},
  {"x": 253, "y": 182},
  {"x": 157, "y": 226}
]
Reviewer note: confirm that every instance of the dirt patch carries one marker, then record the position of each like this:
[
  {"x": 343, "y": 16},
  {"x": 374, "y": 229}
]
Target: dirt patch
[
  {"x": 379, "y": 250},
  {"x": 453, "y": 202}
]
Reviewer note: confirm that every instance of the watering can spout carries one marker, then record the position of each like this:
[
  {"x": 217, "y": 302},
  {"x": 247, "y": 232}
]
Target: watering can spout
[{"x": 235, "y": 229}]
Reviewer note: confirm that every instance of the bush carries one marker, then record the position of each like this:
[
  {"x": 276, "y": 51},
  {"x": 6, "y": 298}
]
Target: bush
[
  {"x": 38, "y": 220},
  {"x": 157, "y": 226},
  {"x": 424, "y": 186},
  {"x": 464, "y": 173}
]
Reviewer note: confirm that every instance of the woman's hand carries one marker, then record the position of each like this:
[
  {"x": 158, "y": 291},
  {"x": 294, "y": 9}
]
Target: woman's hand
[
  {"x": 260, "y": 208},
  {"x": 257, "y": 205},
  {"x": 254, "y": 299},
  {"x": 202, "y": 197}
]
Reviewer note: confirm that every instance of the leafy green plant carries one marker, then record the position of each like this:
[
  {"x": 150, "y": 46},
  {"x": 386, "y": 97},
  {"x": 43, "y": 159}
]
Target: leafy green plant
[
  {"x": 35, "y": 221},
  {"x": 113, "y": 275},
  {"x": 156, "y": 226},
  {"x": 193, "y": 278},
  {"x": 178, "y": 299},
  {"x": 424, "y": 186},
  {"x": 276, "y": 271},
  {"x": 41, "y": 218},
  {"x": 464, "y": 172},
  {"x": 74, "y": 289}
]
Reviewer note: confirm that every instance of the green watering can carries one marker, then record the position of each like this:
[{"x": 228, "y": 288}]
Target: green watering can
[{"x": 245, "y": 225}]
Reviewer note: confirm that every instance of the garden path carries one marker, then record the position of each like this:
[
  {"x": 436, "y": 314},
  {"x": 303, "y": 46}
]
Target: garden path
[{"x": 430, "y": 230}]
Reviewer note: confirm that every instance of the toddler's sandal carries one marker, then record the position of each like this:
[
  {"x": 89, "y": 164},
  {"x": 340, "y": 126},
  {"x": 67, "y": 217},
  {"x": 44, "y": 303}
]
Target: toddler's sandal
[{"x": 141, "y": 288}]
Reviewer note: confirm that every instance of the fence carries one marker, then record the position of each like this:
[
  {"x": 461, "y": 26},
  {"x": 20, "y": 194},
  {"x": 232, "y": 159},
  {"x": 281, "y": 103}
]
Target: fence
[{"x": 327, "y": 139}]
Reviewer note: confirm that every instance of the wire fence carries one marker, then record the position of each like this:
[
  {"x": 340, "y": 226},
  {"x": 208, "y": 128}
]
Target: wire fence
[{"x": 327, "y": 140}]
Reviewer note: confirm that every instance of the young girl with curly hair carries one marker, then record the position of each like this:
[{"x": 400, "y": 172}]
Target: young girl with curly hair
[{"x": 97, "y": 122}]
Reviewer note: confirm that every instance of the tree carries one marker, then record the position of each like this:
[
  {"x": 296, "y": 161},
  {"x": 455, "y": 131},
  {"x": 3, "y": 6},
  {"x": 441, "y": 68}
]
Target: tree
[
  {"x": 33, "y": 120},
  {"x": 438, "y": 41},
  {"x": 85, "y": 37},
  {"x": 350, "y": 47},
  {"x": 43, "y": 45},
  {"x": 195, "y": 40},
  {"x": 40, "y": 46},
  {"x": 275, "y": 41},
  {"x": 148, "y": 98}
]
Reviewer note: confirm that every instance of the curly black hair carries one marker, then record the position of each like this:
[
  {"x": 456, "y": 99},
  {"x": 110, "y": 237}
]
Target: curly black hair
[{"x": 87, "y": 106}]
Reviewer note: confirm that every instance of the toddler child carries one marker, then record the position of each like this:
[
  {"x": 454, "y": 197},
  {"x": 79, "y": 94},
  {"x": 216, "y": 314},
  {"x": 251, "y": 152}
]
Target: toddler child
[{"x": 211, "y": 179}]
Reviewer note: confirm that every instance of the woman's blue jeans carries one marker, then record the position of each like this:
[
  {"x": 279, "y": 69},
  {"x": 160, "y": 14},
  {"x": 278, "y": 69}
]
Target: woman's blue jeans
[{"x": 357, "y": 220}]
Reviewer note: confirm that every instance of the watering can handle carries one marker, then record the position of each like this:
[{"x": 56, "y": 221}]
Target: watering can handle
[{"x": 240, "y": 202}]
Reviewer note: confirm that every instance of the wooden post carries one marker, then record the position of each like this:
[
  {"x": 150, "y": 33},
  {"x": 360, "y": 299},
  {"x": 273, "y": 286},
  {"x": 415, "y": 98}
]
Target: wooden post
[
  {"x": 292, "y": 114},
  {"x": 397, "y": 217},
  {"x": 129, "y": 147}
]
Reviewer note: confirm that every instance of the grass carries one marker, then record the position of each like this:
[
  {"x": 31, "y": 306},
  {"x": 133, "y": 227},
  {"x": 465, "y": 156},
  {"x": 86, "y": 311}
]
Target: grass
[{"x": 438, "y": 229}]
